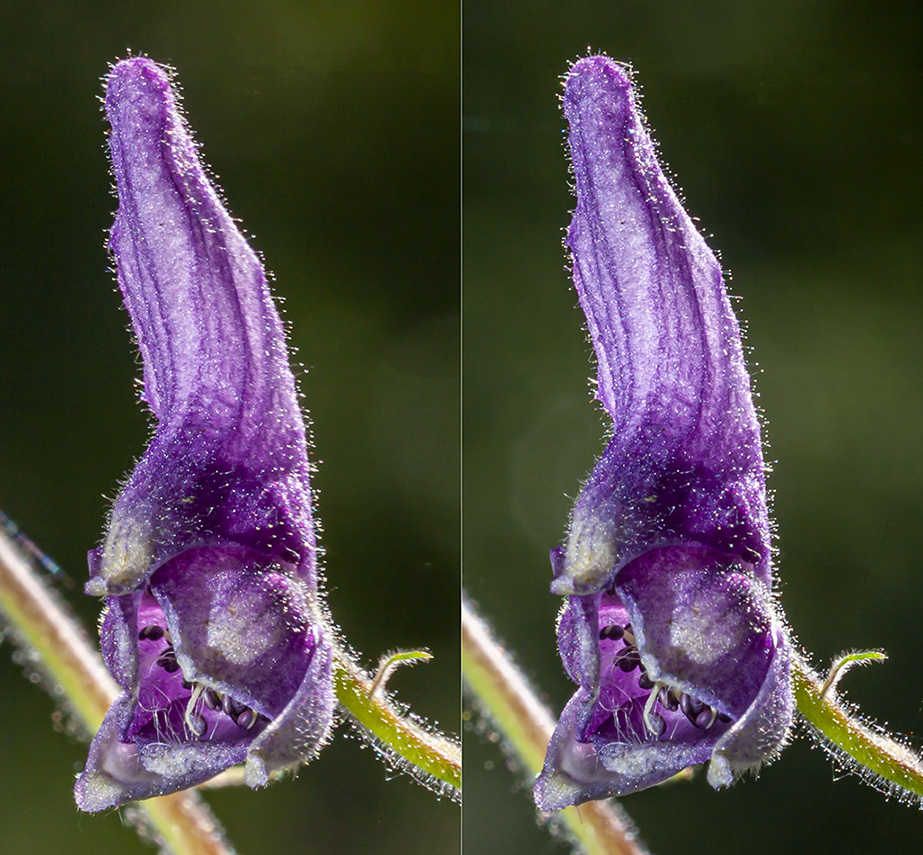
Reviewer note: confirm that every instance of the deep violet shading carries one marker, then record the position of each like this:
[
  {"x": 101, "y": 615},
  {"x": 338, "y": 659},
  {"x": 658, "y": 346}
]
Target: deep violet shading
[
  {"x": 670, "y": 628},
  {"x": 213, "y": 624}
]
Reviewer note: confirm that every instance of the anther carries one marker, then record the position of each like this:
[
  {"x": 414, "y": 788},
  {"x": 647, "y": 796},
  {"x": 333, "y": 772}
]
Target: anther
[
  {"x": 705, "y": 719},
  {"x": 652, "y": 720},
  {"x": 212, "y": 699},
  {"x": 169, "y": 664},
  {"x": 691, "y": 708},
  {"x": 613, "y": 633},
  {"x": 655, "y": 724},
  {"x": 629, "y": 660},
  {"x": 197, "y": 725},
  {"x": 153, "y": 632},
  {"x": 247, "y": 718},
  {"x": 231, "y": 708}
]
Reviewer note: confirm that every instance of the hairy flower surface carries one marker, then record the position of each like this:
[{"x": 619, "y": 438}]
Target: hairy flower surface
[
  {"x": 670, "y": 628},
  {"x": 214, "y": 628}
]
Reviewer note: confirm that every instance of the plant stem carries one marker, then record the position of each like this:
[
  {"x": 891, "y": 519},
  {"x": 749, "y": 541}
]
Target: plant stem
[
  {"x": 44, "y": 629},
  {"x": 887, "y": 764},
  {"x": 430, "y": 757},
  {"x": 600, "y": 827}
]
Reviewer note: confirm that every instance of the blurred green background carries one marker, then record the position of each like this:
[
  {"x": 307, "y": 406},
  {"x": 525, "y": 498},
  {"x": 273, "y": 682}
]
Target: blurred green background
[
  {"x": 794, "y": 130},
  {"x": 334, "y": 129}
]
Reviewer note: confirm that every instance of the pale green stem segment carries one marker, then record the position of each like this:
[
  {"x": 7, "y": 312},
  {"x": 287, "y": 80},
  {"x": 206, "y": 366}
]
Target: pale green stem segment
[
  {"x": 890, "y": 765},
  {"x": 428, "y": 756},
  {"x": 58, "y": 647},
  {"x": 510, "y": 703}
]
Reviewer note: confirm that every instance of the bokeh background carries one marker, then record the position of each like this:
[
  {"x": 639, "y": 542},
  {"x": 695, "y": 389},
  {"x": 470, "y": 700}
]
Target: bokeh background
[
  {"x": 794, "y": 130},
  {"x": 334, "y": 129}
]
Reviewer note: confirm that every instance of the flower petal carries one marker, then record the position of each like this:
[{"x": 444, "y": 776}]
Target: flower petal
[
  {"x": 214, "y": 629},
  {"x": 670, "y": 628},
  {"x": 117, "y": 772},
  {"x": 576, "y": 771},
  {"x": 301, "y": 729},
  {"x": 230, "y": 455},
  {"x": 685, "y": 458},
  {"x": 238, "y": 623}
]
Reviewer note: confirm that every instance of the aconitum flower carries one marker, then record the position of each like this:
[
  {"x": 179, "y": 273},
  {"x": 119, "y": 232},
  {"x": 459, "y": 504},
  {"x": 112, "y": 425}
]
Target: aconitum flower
[
  {"x": 214, "y": 628},
  {"x": 670, "y": 629}
]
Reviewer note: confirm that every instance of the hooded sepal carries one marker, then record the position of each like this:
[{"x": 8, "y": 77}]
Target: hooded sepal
[
  {"x": 215, "y": 629},
  {"x": 671, "y": 630}
]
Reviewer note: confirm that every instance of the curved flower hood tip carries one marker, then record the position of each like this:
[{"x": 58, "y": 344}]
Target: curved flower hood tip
[
  {"x": 670, "y": 629},
  {"x": 214, "y": 628}
]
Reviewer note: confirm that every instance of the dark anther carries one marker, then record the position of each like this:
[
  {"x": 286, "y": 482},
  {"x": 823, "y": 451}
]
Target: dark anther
[
  {"x": 644, "y": 681},
  {"x": 723, "y": 717},
  {"x": 705, "y": 719},
  {"x": 247, "y": 718},
  {"x": 169, "y": 664},
  {"x": 151, "y": 633},
  {"x": 187, "y": 684},
  {"x": 691, "y": 708},
  {"x": 231, "y": 708},
  {"x": 656, "y": 724},
  {"x": 629, "y": 660},
  {"x": 212, "y": 699},
  {"x": 668, "y": 699},
  {"x": 613, "y": 633},
  {"x": 197, "y": 725}
]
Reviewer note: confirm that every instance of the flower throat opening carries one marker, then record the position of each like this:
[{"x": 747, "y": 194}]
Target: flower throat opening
[{"x": 174, "y": 709}]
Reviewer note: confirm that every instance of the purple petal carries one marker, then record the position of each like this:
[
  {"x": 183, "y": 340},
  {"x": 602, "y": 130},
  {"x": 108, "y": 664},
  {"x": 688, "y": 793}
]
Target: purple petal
[
  {"x": 300, "y": 730},
  {"x": 685, "y": 458},
  {"x": 670, "y": 630},
  {"x": 230, "y": 457},
  {"x": 214, "y": 628},
  {"x": 119, "y": 772}
]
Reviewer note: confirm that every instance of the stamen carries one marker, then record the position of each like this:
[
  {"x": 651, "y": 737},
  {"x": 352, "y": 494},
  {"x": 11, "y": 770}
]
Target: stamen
[
  {"x": 197, "y": 725},
  {"x": 613, "y": 633},
  {"x": 653, "y": 721},
  {"x": 212, "y": 699},
  {"x": 628, "y": 659},
  {"x": 691, "y": 707},
  {"x": 712, "y": 718},
  {"x": 247, "y": 718},
  {"x": 168, "y": 663},
  {"x": 190, "y": 707},
  {"x": 152, "y": 632},
  {"x": 231, "y": 708}
]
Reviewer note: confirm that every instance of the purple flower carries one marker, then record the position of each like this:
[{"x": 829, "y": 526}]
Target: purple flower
[
  {"x": 670, "y": 629},
  {"x": 214, "y": 627}
]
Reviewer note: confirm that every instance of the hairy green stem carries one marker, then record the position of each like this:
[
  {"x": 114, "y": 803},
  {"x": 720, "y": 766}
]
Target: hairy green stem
[
  {"x": 428, "y": 756},
  {"x": 886, "y": 763},
  {"x": 43, "y": 627},
  {"x": 505, "y": 696}
]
